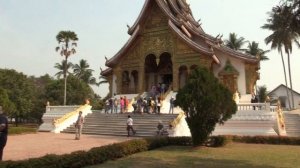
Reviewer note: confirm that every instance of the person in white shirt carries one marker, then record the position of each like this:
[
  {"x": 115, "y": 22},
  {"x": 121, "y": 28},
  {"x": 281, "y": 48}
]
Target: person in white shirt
[{"x": 129, "y": 126}]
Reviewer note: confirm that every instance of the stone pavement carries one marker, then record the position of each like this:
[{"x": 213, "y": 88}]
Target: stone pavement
[{"x": 20, "y": 147}]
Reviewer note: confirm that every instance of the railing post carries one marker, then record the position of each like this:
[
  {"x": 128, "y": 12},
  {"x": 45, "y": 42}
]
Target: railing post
[
  {"x": 280, "y": 120},
  {"x": 268, "y": 106}
]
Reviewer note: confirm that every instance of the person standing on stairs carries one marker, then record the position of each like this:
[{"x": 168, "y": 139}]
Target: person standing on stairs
[
  {"x": 78, "y": 126},
  {"x": 171, "y": 105}
]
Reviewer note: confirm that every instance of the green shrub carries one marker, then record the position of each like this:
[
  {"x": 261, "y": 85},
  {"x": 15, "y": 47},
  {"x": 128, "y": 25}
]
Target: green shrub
[
  {"x": 180, "y": 141},
  {"x": 206, "y": 102},
  {"x": 156, "y": 142},
  {"x": 218, "y": 141},
  {"x": 276, "y": 140}
]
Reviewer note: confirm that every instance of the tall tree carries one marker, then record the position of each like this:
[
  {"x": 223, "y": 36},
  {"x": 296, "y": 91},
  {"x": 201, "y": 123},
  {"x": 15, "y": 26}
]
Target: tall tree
[
  {"x": 62, "y": 69},
  {"x": 82, "y": 71},
  {"x": 77, "y": 89},
  {"x": 20, "y": 93},
  {"x": 67, "y": 43},
  {"x": 253, "y": 49},
  {"x": 234, "y": 42},
  {"x": 282, "y": 22}
]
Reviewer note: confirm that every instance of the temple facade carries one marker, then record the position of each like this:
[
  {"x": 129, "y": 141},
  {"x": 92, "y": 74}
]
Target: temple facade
[{"x": 166, "y": 44}]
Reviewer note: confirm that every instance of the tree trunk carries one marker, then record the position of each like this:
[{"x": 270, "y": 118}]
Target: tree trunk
[
  {"x": 65, "y": 83},
  {"x": 287, "y": 89},
  {"x": 290, "y": 76}
]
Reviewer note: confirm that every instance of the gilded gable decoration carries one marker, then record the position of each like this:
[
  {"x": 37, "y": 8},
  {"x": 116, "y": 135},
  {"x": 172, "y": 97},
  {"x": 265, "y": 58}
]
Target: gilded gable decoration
[
  {"x": 228, "y": 76},
  {"x": 228, "y": 70}
]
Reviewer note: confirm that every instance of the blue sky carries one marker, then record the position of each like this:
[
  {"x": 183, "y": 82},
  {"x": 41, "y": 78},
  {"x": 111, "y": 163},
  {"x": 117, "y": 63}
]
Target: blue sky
[{"x": 28, "y": 29}]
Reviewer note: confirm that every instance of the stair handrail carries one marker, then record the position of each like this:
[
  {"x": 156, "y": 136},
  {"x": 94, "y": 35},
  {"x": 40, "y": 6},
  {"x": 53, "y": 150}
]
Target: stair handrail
[
  {"x": 280, "y": 120},
  {"x": 175, "y": 122},
  {"x": 66, "y": 116}
]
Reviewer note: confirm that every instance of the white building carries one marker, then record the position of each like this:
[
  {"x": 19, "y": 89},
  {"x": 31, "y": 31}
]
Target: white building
[{"x": 280, "y": 93}]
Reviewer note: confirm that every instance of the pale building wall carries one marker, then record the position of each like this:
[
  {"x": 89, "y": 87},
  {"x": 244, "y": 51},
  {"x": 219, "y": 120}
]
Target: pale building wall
[
  {"x": 281, "y": 91},
  {"x": 238, "y": 65}
]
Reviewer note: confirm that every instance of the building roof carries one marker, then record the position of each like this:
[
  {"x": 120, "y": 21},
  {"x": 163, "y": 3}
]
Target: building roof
[
  {"x": 282, "y": 85},
  {"x": 182, "y": 22},
  {"x": 106, "y": 72}
]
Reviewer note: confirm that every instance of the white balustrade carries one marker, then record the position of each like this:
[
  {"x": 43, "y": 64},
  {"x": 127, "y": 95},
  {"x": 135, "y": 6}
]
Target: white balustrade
[{"x": 254, "y": 106}]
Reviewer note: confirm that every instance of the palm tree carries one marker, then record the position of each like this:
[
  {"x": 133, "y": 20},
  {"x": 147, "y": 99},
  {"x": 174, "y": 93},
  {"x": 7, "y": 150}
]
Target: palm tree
[
  {"x": 61, "y": 68},
  {"x": 103, "y": 80},
  {"x": 262, "y": 94},
  {"x": 281, "y": 22},
  {"x": 82, "y": 71},
  {"x": 88, "y": 78},
  {"x": 67, "y": 43},
  {"x": 234, "y": 42},
  {"x": 253, "y": 49}
]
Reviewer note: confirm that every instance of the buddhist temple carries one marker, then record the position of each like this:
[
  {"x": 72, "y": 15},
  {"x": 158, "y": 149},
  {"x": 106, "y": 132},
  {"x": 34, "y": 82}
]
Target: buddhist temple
[{"x": 166, "y": 44}]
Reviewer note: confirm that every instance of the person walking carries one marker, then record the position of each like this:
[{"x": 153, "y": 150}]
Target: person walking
[
  {"x": 130, "y": 126},
  {"x": 3, "y": 132},
  {"x": 78, "y": 125}
]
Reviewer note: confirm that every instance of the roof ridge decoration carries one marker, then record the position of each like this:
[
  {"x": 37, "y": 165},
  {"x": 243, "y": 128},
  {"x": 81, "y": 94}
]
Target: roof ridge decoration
[{"x": 109, "y": 62}]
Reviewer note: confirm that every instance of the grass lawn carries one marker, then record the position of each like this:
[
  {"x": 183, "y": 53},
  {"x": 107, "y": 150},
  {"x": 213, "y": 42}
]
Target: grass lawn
[
  {"x": 233, "y": 155},
  {"x": 21, "y": 129}
]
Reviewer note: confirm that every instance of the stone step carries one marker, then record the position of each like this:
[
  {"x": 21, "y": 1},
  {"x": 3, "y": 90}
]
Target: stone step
[
  {"x": 292, "y": 124},
  {"x": 115, "y": 124},
  {"x": 115, "y": 133}
]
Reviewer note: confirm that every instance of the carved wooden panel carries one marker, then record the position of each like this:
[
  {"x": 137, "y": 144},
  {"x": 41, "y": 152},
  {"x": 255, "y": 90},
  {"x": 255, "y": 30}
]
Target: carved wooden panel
[
  {"x": 156, "y": 19},
  {"x": 251, "y": 77},
  {"x": 157, "y": 44},
  {"x": 230, "y": 82}
]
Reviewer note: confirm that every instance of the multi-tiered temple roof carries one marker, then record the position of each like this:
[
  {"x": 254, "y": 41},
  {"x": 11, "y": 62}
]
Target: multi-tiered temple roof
[{"x": 183, "y": 24}]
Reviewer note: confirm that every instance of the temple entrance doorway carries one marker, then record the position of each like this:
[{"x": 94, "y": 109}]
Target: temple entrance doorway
[
  {"x": 158, "y": 71},
  {"x": 150, "y": 71},
  {"x": 165, "y": 70}
]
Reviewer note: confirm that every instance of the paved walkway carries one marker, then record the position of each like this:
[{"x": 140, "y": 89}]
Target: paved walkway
[{"x": 26, "y": 146}]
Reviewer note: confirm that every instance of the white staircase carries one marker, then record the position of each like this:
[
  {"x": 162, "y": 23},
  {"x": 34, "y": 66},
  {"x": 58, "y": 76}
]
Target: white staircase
[
  {"x": 58, "y": 118},
  {"x": 292, "y": 123},
  {"x": 54, "y": 112},
  {"x": 249, "y": 123}
]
